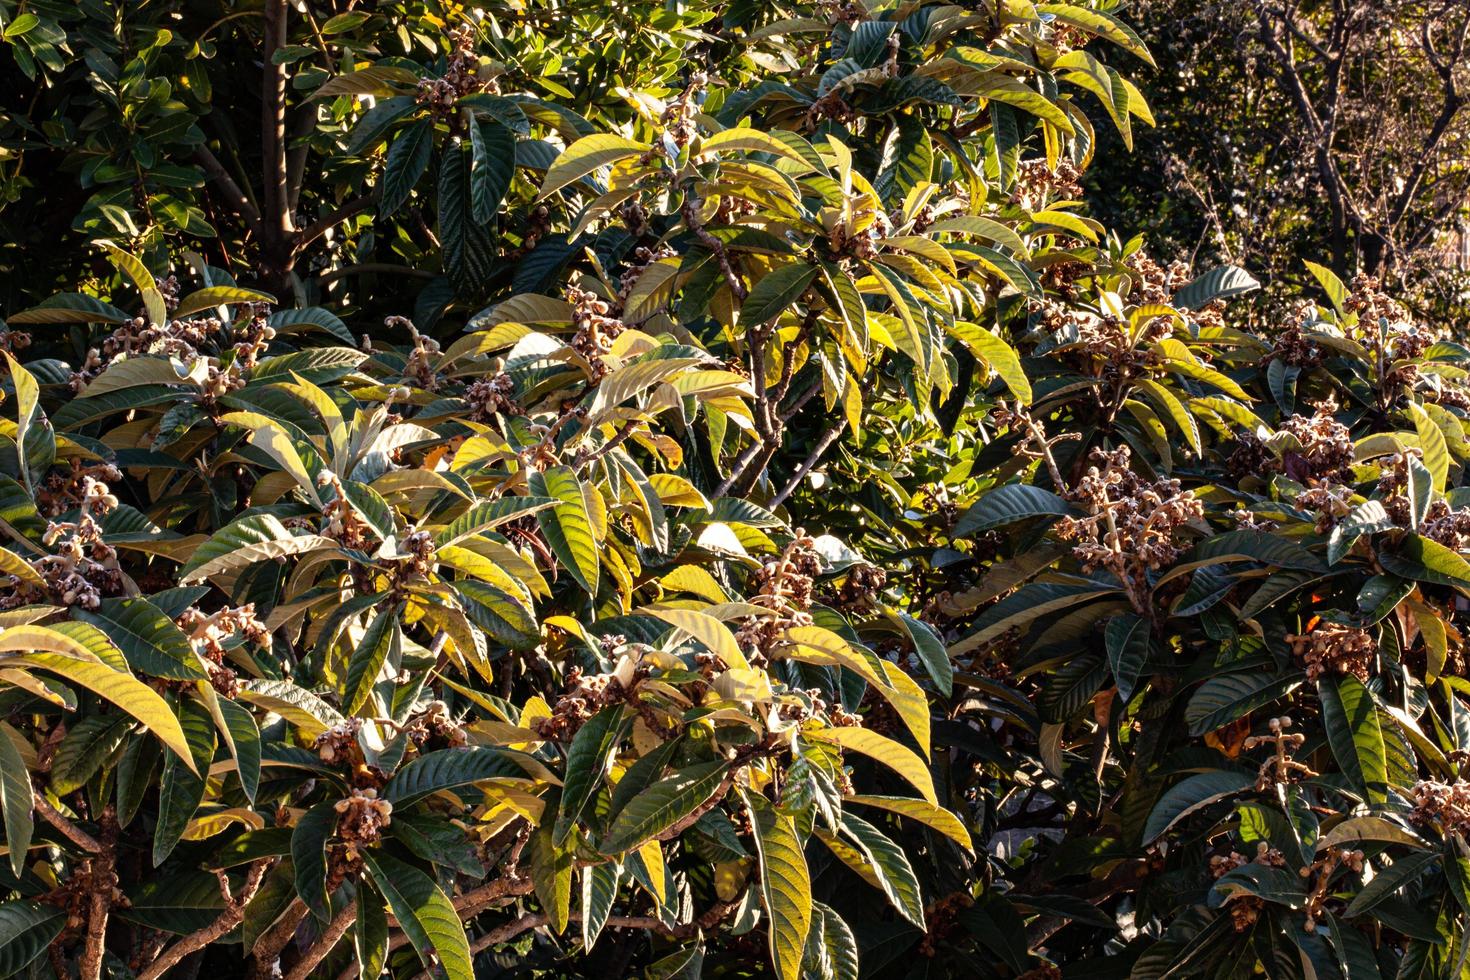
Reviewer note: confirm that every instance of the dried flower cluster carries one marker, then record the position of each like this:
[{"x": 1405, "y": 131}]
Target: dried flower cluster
[
  {"x": 361, "y": 818},
  {"x": 209, "y": 632},
  {"x": 490, "y": 396},
  {"x": 1330, "y": 648},
  {"x": 596, "y": 327},
  {"x": 1322, "y": 871},
  {"x": 62, "y": 492},
  {"x": 1291, "y": 345},
  {"x": 83, "y": 569},
  {"x": 1320, "y": 450},
  {"x": 1446, "y": 805},
  {"x": 1245, "y": 909},
  {"x": 1037, "y": 185},
  {"x": 461, "y": 74},
  {"x": 785, "y": 585},
  {"x": 1130, "y": 523}
]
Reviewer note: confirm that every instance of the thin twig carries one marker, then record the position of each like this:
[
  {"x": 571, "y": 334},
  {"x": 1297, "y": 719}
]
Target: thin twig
[
  {"x": 71, "y": 831},
  {"x": 328, "y": 939},
  {"x": 828, "y": 437},
  {"x": 228, "y": 919}
]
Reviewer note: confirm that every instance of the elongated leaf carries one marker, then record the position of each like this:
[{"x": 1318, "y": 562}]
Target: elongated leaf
[
  {"x": 425, "y": 915},
  {"x": 567, "y": 525},
  {"x": 26, "y": 929},
  {"x": 1007, "y": 505},
  {"x": 775, "y": 292},
  {"x": 786, "y": 889},
  {"x": 123, "y": 690},
  {"x": 1353, "y": 731},
  {"x": 552, "y": 870},
  {"x": 309, "y": 856},
  {"x": 1221, "y": 283},
  {"x": 586, "y": 155},
  {"x": 1127, "y": 640},
  {"x": 151, "y": 641},
  {"x": 588, "y": 760},
  {"x": 889, "y": 864},
  {"x": 1220, "y": 700},
  {"x": 182, "y": 788},
  {"x": 492, "y": 168},
  {"x": 380, "y": 643},
  {"x": 212, "y": 296},
  {"x": 16, "y": 799},
  {"x": 662, "y": 805},
  {"x": 1189, "y": 795},
  {"x": 444, "y": 769},
  {"x": 407, "y": 160}
]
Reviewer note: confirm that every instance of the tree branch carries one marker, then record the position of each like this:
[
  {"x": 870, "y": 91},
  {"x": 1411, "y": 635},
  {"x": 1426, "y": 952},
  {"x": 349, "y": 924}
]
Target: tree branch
[
  {"x": 234, "y": 197},
  {"x": 273, "y": 123},
  {"x": 339, "y": 925},
  {"x": 228, "y": 919},
  {"x": 71, "y": 831},
  {"x": 319, "y": 228},
  {"x": 823, "y": 444}
]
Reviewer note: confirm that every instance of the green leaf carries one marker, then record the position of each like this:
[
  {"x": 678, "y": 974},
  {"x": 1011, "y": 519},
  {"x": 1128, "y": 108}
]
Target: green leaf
[
  {"x": 1426, "y": 560},
  {"x": 786, "y": 887},
  {"x": 1220, "y": 700},
  {"x": 831, "y": 948},
  {"x": 16, "y": 799},
  {"x": 1007, "y": 505},
  {"x": 662, "y": 805},
  {"x": 567, "y": 525},
  {"x": 26, "y": 929},
  {"x": 1369, "y": 517},
  {"x": 492, "y": 167},
  {"x": 1336, "y": 291},
  {"x": 407, "y": 160},
  {"x": 488, "y": 514},
  {"x": 890, "y": 865},
  {"x": 123, "y": 690},
  {"x": 70, "y": 308},
  {"x": 425, "y": 914},
  {"x": 552, "y": 870},
  {"x": 1390, "y": 880},
  {"x": 1221, "y": 283},
  {"x": 151, "y": 641},
  {"x": 182, "y": 790},
  {"x": 1027, "y": 604},
  {"x": 309, "y": 856},
  {"x": 1189, "y": 795},
  {"x": 1127, "y": 640},
  {"x": 1353, "y": 731},
  {"x": 930, "y": 649},
  {"x": 444, "y": 769},
  {"x": 381, "y": 642},
  {"x": 81, "y": 753},
  {"x": 588, "y": 761},
  {"x": 599, "y": 892},
  {"x": 1432, "y": 443},
  {"x": 370, "y": 938},
  {"x": 775, "y": 291}
]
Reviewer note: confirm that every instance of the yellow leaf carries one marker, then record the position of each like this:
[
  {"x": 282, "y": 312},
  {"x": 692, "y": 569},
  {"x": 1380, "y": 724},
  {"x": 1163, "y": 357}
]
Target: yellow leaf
[
  {"x": 926, "y": 813},
  {"x": 885, "y": 750},
  {"x": 706, "y": 629},
  {"x": 123, "y": 690}
]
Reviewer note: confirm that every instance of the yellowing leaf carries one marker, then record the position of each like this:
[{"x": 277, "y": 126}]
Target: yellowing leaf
[{"x": 885, "y": 750}]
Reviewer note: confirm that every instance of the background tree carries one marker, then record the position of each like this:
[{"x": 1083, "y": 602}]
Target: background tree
[{"x": 1336, "y": 131}]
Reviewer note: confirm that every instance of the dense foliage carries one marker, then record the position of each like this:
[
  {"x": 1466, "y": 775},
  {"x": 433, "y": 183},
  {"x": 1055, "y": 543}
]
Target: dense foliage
[{"x": 784, "y": 534}]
